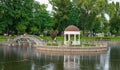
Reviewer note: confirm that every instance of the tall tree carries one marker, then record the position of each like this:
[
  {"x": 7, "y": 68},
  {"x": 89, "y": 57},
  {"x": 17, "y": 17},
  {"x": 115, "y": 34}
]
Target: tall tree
[
  {"x": 81, "y": 13},
  {"x": 115, "y": 25},
  {"x": 114, "y": 14},
  {"x": 15, "y": 13},
  {"x": 41, "y": 19},
  {"x": 23, "y": 16},
  {"x": 61, "y": 10},
  {"x": 89, "y": 10}
]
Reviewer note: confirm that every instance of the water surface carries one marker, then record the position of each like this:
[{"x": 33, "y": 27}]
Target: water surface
[{"x": 26, "y": 58}]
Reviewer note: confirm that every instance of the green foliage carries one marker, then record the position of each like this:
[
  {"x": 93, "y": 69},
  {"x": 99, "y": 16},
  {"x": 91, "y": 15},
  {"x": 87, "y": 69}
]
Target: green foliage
[
  {"x": 81, "y": 34},
  {"x": 82, "y": 13},
  {"x": 34, "y": 29},
  {"x": 21, "y": 15},
  {"x": 115, "y": 19},
  {"x": 32, "y": 17},
  {"x": 115, "y": 25},
  {"x": 62, "y": 13},
  {"x": 97, "y": 25},
  {"x": 20, "y": 27}
]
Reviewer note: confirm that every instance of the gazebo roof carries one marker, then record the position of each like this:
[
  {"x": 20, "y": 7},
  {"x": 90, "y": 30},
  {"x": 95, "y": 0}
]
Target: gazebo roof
[{"x": 72, "y": 28}]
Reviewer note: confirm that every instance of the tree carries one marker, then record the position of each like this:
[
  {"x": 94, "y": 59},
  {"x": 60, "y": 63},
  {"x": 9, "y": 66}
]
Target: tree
[
  {"x": 81, "y": 13},
  {"x": 115, "y": 25},
  {"x": 61, "y": 10},
  {"x": 15, "y": 13},
  {"x": 114, "y": 13},
  {"x": 41, "y": 19},
  {"x": 74, "y": 15},
  {"x": 97, "y": 26},
  {"x": 21, "y": 28},
  {"x": 34, "y": 30},
  {"x": 26, "y": 13},
  {"x": 89, "y": 10}
]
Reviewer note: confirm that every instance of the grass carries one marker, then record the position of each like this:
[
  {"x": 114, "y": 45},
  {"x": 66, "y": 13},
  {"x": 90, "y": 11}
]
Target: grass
[
  {"x": 58, "y": 38},
  {"x": 3, "y": 38},
  {"x": 61, "y": 38}
]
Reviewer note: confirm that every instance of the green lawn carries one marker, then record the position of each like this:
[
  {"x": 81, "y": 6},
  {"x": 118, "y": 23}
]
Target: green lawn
[
  {"x": 61, "y": 38},
  {"x": 3, "y": 39}
]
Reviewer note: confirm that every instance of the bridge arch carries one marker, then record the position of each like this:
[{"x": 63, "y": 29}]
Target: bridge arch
[{"x": 32, "y": 39}]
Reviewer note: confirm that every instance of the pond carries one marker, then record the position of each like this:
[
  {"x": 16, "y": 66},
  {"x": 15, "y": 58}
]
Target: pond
[{"x": 26, "y": 58}]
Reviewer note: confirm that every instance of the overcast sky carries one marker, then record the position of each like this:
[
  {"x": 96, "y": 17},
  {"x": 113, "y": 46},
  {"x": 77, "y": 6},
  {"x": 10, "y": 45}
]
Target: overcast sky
[{"x": 46, "y": 2}]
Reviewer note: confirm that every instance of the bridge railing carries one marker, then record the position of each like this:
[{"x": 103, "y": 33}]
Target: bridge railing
[{"x": 27, "y": 38}]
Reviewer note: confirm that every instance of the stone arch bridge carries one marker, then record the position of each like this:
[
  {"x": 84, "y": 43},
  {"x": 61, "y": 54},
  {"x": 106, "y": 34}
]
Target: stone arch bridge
[{"x": 30, "y": 39}]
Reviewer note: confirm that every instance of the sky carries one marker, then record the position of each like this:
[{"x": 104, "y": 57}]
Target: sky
[
  {"x": 49, "y": 8},
  {"x": 114, "y": 0}
]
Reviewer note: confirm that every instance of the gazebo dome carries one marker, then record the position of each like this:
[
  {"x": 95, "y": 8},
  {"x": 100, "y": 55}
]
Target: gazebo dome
[{"x": 72, "y": 28}]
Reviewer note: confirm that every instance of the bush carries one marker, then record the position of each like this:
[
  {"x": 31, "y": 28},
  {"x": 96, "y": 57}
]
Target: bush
[{"x": 81, "y": 34}]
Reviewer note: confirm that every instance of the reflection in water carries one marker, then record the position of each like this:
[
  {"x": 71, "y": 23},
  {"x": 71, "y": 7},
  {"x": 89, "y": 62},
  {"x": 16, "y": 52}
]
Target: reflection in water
[
  {"x": 84, "y": 62},
  {"x": 107, "y": 60},
  {"x": 115, "y": 58},
  {"x": 71, "y": 62},
  {"x": 25, "y": 58}
]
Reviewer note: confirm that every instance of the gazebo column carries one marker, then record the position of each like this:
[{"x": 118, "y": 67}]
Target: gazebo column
[
  {"x": 74, "y": 38},
  {"x": 68, "y": 37},
  {"x": 79, "y": 38},
  {"x": 65, "y": 38}
]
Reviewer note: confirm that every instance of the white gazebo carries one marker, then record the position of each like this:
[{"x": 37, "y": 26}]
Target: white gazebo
[{"x": 69, "y": 32}]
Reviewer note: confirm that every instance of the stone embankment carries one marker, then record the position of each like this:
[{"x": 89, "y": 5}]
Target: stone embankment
[
  {"x": 72, "y": 49},
  {"x": 99, "y": 48}
]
